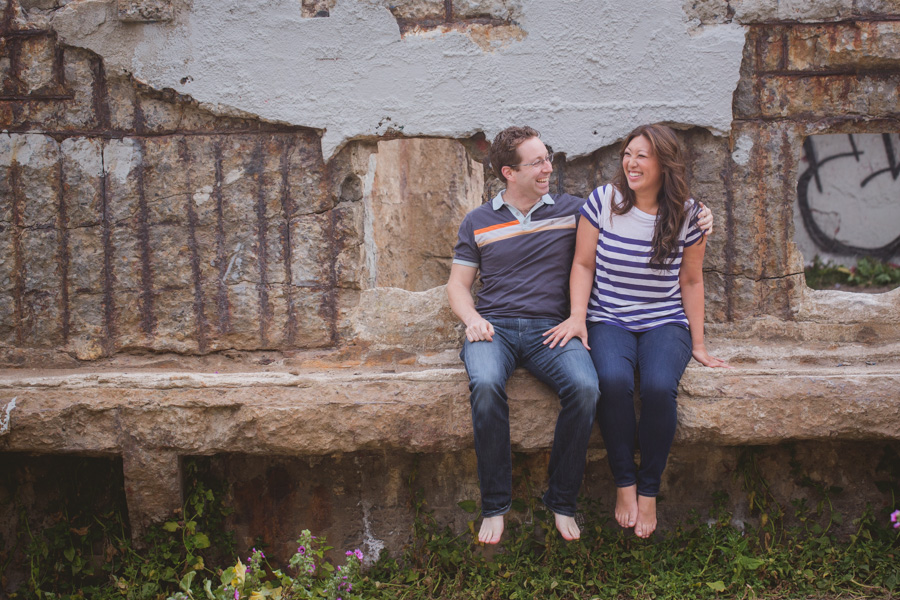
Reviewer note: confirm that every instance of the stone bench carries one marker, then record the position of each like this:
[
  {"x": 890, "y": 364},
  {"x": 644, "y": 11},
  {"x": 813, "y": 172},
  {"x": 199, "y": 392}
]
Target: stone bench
[{"x": 151, "y": 412}]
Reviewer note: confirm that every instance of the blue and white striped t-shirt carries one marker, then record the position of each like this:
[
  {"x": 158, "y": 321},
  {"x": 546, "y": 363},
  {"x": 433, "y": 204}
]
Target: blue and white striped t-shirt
[{"x": 626, "y": 291}]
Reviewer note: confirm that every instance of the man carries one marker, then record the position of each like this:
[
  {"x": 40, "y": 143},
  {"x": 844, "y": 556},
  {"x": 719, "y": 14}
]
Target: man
[{"x": 522, "y": 243}]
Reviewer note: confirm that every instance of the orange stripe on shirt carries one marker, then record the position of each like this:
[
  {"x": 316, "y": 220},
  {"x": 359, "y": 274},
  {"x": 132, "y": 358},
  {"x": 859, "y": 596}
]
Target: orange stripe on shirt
[{"x": 493, "y": 227}]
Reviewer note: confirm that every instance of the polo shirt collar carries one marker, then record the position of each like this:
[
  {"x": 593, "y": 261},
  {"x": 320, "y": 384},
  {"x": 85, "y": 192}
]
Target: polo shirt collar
[{"x": 497, "y": 203}]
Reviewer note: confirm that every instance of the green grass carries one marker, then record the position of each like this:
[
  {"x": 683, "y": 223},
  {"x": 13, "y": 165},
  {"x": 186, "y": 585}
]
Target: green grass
[{"x": 702, "y": 558}]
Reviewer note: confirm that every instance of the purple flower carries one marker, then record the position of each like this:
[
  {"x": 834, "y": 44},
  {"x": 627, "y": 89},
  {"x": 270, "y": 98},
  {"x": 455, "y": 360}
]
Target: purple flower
[
  {"x": 359, "y": 554},
  {"x": 895, "y": 519},
  {"x": 349, "y": 553},
  {"x": 237, "y": 595},
  {"x": 301, "y": 550}
]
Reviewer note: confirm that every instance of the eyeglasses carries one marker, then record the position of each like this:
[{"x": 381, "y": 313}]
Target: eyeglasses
[{"x": 538, "y": 163}]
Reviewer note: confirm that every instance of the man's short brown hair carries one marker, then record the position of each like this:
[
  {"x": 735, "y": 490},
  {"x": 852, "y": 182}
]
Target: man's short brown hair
[{"x": 505, "y": 147}]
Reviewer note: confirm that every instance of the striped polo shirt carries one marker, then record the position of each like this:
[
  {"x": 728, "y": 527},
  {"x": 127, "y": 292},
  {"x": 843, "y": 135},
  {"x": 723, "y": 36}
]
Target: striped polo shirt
[
  {"x": 523, "y": 260},
  {"x": 627, "y": 292}
]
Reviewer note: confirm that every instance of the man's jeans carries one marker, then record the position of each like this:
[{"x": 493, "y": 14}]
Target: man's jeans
[
  {"x": 568, "y": 370},
  {"x": 661, "y": 356}
]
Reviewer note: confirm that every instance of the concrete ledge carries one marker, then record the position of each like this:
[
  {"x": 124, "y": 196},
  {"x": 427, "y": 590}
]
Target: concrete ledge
[{"x": 153, "y": 416}]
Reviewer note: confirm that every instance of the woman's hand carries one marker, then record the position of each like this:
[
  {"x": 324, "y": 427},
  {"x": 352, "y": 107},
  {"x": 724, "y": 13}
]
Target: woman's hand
[
  {"x": 702, "y": 356},
  {"x": 572, "y": 327}
]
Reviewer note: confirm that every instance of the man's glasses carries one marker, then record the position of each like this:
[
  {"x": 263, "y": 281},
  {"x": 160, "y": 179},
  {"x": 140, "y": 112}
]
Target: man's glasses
[{"x": 538, "y": 163}]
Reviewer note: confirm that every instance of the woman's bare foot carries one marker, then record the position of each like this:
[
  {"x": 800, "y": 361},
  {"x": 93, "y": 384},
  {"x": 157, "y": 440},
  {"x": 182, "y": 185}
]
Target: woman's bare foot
[
  {"x": 567, "y": 527},
  {"x": 646, "y": 518},
  {"x": 627, "y": 506},
  {"x": 491, "y": 530}
]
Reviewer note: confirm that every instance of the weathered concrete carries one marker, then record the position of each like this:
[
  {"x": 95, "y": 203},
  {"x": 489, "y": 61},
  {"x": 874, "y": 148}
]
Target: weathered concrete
[
  {"x": 355, "y": 75},
  {"x": 175, "y": 280}
]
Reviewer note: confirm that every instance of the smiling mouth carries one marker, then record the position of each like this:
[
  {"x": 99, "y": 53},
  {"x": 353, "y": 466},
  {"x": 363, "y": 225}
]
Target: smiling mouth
[{"x": 544, "y": 180}]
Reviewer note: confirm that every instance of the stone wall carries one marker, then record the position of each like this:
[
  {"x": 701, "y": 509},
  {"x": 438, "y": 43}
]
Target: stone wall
[{"x": 181, "y": 278}]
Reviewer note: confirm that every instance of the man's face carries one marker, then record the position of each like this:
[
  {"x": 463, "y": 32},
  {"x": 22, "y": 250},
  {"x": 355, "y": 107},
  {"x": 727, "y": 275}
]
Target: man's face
[{"x": 530, "y": 181}]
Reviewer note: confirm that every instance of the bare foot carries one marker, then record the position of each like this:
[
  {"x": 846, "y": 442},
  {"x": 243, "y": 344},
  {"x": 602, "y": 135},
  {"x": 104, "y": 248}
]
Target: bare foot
[
  {"x": 491, "y": 530},
  {"x": 567, "y": 527},
  {"x": 626, "y": 506},
  {"x": 646, "y": 519}
]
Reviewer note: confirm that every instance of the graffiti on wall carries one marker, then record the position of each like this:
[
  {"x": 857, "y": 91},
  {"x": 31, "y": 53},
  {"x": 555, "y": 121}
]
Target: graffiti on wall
[{"x": 849, "y": 195}]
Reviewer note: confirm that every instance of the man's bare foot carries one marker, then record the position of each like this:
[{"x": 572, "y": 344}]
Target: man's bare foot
[
  {"x": 627, "y": 506},
  {"x": 491, "y": 530},
  {"x": 646, "y": 519},
  {"x": 567, "y": 527}
]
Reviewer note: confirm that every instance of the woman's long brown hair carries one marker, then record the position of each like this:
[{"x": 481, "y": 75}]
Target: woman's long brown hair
[{"x": 672, "y": 195}]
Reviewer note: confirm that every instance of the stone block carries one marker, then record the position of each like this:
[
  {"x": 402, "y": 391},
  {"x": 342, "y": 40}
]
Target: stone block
[
  {"x": 7, "y": 257},
  {"x": 42, "y": 318},
  {"x": 239, "y": 186},
  {"x": 8, "y": 320},
  {"x": 311, "y": 241},
  {"x": 145, "y": 11},
  {"x": 170, "y": 257},
  {"x": 314, "y": 310},
  {"x": 85, "y": 269},
  {"x": 244, "y": 313},
  {"x": 82, "y": 168},
  {"x": 770, "y": 48},
  {"x": 79, "y": 68},
  {"x": 860, "y": 45},
  {"x": 86, "y": 325},
  {"x": 350, "y": 268},
  {"x": 872, "y": 96},
  {"x": 152, "y": 486},
  {"x": 164, "y": 180},
  {"x": 877, "y": 7},
  {"x": 36, "y": 71},
  {"x": 121, "y": 99},
  {"x": 422, "y": 190},
  {"x": 121, "y": 158},
  {"x": 392, "y": 317},
  {"x": 415, "y": 10},
  {"x": 40, "y": 257},
  {"x": 708, "y": 12},
  {"x": 175, "y": 321},
  {"x": 306, "y": 174},
  {"x": 126, "y": 258},
  {"x": 504, "y": 10}
]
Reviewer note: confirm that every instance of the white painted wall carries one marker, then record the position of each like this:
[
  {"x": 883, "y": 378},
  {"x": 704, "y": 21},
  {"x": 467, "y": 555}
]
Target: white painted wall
[
  {"x": 585, "y": 74},
  {"x": 856, "y": 199}
]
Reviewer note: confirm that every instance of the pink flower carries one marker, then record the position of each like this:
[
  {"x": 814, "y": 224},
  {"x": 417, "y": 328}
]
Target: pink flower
[
  {"x": 359, "y": 554},
  {"x": 895, "y": 519},
  {"x": 237, "y": 595}
]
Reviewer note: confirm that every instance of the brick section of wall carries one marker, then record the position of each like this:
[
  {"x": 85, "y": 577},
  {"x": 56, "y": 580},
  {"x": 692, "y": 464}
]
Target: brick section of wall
[{"x": 796, "y": 80}]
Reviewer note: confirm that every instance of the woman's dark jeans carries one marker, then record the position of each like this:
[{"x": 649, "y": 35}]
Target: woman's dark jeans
[{"x": 660, "y": 355}]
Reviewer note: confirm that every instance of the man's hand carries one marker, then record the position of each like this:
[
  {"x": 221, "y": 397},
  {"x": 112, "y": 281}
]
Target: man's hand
[
  {"x": 705, "y": 219},
  {"x": 479, "y": 330},
  {"x": 570, "y": 328}
]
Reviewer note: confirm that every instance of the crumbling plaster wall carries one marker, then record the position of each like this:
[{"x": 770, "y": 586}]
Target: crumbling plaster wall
[{"x": 581, "y": 72}]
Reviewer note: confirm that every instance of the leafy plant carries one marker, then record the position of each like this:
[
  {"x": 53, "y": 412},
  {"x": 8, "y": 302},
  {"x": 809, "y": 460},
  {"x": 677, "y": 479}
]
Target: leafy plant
[{"x": 308, "y": 578}]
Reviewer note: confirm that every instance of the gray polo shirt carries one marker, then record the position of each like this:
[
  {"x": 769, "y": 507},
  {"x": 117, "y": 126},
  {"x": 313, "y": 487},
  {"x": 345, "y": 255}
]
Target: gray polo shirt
[{"x": 523, "y": 260}]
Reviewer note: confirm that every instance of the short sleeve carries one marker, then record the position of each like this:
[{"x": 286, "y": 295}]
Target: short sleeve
[
  {"x": 592, "y": 208},
  {"x": 694, "y": 233},
  {"x": 466, "y": 252}
]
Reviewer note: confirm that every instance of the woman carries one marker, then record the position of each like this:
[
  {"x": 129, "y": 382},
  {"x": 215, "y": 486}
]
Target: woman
[{"x": 637, "y": 278}]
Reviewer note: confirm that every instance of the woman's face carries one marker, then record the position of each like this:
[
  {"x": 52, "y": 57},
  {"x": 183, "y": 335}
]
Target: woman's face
[{"x": 642, "y": 169}]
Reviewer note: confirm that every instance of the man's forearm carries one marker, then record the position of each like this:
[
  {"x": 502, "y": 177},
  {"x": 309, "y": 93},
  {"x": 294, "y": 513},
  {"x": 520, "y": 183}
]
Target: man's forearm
[{"x": 461, "y": 303}]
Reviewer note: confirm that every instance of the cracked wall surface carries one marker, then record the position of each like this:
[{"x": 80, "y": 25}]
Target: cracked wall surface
[
  {"x": 582, "y": 73},
  {"x": 140, "y": 219}
]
